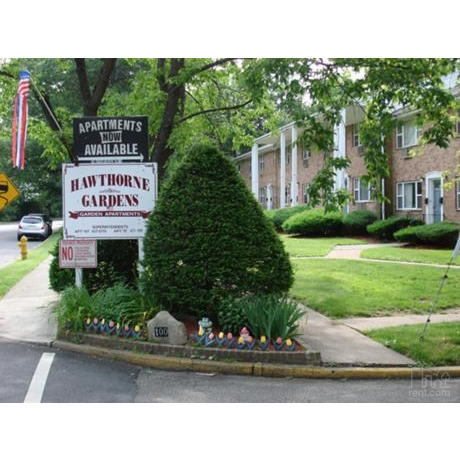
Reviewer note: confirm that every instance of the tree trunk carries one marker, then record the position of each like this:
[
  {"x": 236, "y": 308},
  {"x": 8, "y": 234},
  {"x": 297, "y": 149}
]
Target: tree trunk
[{"x": 175, "y": 98}]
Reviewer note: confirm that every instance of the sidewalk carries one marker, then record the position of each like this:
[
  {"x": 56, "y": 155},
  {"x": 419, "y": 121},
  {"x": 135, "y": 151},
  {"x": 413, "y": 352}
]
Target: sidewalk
[
  {"x": 353, "y": 252},
  {"x": 340, "y": 344},
  {"x": 367, "y": 324},
  {"x": 25, "y": 310}
]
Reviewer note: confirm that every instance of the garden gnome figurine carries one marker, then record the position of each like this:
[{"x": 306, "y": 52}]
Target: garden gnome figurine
[
  {"x": 205, "y": 325},
  {"x": 245, "y": 334}
]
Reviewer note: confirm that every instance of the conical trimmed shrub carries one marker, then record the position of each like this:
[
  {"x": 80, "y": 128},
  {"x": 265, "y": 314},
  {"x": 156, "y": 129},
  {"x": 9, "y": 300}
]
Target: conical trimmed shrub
[{"x": 208, "y": 239}]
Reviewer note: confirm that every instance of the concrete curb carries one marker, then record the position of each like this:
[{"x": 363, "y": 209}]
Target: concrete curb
[
  {"x": 38, "y": 342},
  {"x": 259, "y": 369}
]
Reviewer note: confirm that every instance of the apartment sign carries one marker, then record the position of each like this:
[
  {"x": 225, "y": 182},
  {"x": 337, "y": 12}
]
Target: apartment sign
[
  {"x": 110, "y": 139},
  {"x": 108, "y": 201}
]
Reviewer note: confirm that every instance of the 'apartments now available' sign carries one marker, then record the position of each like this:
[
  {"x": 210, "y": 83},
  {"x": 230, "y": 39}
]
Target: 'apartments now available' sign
[
  {"x": 108, "y": 201},
  {"x": 111, "y": 139}
]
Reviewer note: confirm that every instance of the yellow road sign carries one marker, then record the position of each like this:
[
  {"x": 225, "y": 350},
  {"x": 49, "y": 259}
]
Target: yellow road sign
[{"x": 8, "y": 192}]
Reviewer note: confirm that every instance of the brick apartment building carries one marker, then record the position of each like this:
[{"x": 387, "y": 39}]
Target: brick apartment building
[{"x": 278, "y": 170}]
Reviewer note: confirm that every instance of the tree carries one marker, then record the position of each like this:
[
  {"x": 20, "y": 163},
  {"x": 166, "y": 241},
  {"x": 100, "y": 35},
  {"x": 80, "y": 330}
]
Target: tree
[
  {"x": 234, "y": 100},
  {"x": 40, "y": 185},
  {"x": 316, "y": 90},
  {"x": 208, "y": 239},
  {"x": 187, "y": 99}
]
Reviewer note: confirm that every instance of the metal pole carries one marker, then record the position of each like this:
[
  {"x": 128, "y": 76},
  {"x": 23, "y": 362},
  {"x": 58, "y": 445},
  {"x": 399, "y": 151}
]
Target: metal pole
[
  {"x": 79, "y": 277},
  {"x": 46, "y": 105},
  {"x": 443, "y": 280},
  {"x": 140, "y": 267}
]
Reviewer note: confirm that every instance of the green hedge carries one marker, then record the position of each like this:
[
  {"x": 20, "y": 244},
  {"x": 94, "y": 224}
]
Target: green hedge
[
  {"x": 315, "y": 222},
  {"x": 208, "y": 239},
  {"x": 116, "y": 263},
  {"x": 279, "y": 216},
  {"x": 386, "y": 228},
  {"x": 441, "y": 234},
  {"x": 407, "y": 235},
  {"x": 356, "y": 222}
]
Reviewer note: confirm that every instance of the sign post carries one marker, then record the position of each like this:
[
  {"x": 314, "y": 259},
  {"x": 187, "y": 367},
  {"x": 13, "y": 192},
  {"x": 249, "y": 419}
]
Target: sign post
[
  {"x": 79, "y": 277},
  {"x": 78, "y": 254}
]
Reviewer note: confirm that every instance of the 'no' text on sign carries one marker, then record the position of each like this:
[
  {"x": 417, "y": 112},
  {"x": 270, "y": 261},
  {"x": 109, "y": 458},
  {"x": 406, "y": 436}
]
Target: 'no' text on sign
[{"x": 78, "y": 254}]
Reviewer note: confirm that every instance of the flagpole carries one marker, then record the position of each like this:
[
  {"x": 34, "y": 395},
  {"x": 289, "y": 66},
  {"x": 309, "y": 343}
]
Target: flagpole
[
  {"x": 58, "y": 126},
  {"x": 443, "y": 280},
  {"x": 46, "y": 105}
]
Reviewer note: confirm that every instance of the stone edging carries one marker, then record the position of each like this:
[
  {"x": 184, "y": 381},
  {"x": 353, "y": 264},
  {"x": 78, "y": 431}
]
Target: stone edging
[{"x": 309, "y": 357}]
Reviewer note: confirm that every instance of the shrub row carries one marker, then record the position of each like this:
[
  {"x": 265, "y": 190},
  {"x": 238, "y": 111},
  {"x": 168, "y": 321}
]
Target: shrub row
[
  {"x": 441, "y": 234},
  {"x": 278, "y": 216},
  {"x": 317, "y": 222},
  {"x": 385, "y": 229},
  {"x": 314, "y": 222}
]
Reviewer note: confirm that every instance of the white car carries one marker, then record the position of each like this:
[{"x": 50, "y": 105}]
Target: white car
[{"x": 34, "y": 226}]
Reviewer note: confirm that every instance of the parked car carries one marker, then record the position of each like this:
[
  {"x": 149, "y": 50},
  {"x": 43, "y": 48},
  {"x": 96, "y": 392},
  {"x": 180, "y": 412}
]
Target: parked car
[
  {"x": 34, "y": 226},
  {"x": 47, "y": 220}
]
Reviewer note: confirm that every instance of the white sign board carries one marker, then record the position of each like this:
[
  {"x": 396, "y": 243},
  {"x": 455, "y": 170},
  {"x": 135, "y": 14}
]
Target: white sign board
[
  {"x": 108, "y": 201},
  {"x": 78, "y": 254}
]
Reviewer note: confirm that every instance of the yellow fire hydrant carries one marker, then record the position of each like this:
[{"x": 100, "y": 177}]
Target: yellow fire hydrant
[{"x": 23, "y": 247}]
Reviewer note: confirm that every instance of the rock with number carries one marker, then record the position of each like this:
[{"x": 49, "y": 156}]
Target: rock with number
[{"x": 164, "y": 328}]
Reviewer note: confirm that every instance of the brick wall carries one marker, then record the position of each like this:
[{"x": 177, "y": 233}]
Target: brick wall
[
  {"x": 431, "y": 158},
  {"x": 402, "y": 169},
  {"x": 356, "y": 169}
]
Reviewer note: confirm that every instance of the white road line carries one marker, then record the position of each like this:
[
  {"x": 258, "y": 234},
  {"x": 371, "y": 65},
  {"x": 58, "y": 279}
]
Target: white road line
[{"x": 38, "y": 382}]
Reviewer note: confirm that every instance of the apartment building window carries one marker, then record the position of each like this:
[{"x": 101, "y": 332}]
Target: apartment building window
[
  {"x": 262, "y": 196},
  {"x": 457, "y": 193},
  {"x": 261, "y": 164},
  {"x": 306, "y": 157},
  {"x": 288, "y": 154},
  {"x": 407, "y": 135},
  {"x": 306, "y": 197},
  {"x": 409, "y": 195},
  {"x": 356, "y": 139},
  {"x": 361, "y": 190},
  {"x": 287, "y": 194}
]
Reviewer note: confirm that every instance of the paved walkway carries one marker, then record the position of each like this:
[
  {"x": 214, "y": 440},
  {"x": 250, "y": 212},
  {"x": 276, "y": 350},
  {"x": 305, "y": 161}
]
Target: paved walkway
[
  {"x": 340, "y": 344},
  {"x": 26, "y": 309},
  {"x": 367, "y": 324},
  {"x": 353, "y": 252}
]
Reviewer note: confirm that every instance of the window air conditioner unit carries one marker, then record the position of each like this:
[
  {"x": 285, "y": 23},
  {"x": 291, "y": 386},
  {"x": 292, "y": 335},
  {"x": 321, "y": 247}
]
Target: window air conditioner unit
[{"x": 406, "y": 152}]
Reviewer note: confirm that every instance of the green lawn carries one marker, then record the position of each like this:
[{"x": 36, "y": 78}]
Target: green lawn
[
  {"x": 15, "y": 271},
  {"x": 441, "y": 346},
  {"x": 428, "y": 256},
  {"x": 314, "y": 247},
  {"x": 342, "y": 288}
]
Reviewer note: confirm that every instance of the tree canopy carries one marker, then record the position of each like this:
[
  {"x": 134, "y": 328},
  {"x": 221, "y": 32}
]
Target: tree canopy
[{"x": 232, "y": 100}]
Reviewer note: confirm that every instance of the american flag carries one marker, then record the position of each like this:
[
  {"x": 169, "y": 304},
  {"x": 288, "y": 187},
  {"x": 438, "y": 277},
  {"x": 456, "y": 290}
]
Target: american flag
[{"x": 20, "y": 121}]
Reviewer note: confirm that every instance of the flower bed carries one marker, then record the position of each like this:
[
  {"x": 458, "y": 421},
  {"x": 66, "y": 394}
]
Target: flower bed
[{"x": 194, "y": 351}]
